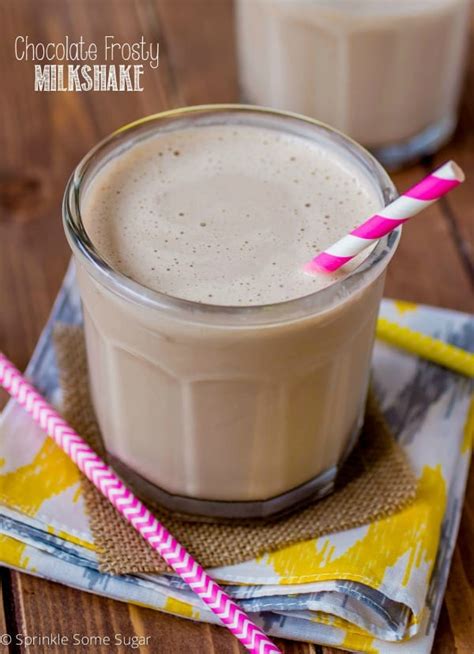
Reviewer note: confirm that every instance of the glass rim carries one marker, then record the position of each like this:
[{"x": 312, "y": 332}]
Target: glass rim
[{"x": 237, "y": 315}]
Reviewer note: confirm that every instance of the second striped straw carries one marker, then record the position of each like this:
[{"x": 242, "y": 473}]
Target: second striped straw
[
  {"x": 417, "y": 198},
  {"x": 136, "y": 513}
]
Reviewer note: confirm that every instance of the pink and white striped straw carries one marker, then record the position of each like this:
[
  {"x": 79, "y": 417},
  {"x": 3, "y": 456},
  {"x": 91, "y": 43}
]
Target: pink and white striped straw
[
  {"x": 251, "y": 636},
  {"x": 417, "y": 198}
]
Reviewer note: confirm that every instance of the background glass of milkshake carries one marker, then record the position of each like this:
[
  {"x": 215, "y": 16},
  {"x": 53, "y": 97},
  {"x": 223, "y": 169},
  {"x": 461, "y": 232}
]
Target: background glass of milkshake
[
  {"x": 386, "y": 72},
  {"x": 226, "y": 381}
]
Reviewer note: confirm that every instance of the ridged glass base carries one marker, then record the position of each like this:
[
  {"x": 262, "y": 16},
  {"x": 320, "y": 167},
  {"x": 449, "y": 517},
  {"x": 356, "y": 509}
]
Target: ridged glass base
[
  {"x": 314, "y": 489},
  {"x": 427, "y": 142}
]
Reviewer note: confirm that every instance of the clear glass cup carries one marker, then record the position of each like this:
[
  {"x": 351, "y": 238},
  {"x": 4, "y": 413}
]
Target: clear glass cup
[
  {"x": 227, "y": 412},
  {"x": 386, "y": 73}
]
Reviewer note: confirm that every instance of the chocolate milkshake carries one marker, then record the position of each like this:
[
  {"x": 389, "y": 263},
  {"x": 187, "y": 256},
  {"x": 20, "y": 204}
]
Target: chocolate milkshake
[
  {"x": 387, "y": 73},
  {"x": 226, "y": 381}
]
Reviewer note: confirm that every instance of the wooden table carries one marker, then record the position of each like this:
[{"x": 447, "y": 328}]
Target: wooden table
[{"x": 43, "y": 136}]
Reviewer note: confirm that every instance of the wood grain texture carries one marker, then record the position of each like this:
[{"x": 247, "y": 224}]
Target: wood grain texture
[
  {"x": 457, "y": 623},
  {"x": 43, "y": 607},
  {"x": 44, "y": 135},
  {"x": 3, "y": 610},
  {"x": 459, "y": 207}
]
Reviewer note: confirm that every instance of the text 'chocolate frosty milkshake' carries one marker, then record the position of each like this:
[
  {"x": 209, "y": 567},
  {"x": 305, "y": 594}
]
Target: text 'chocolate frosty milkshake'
[{"x": 219, "y": 370}]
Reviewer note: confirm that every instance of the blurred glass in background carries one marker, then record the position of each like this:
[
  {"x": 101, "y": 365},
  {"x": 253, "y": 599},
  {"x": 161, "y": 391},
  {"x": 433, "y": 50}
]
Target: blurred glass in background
[{"x": 386, "y": 72}]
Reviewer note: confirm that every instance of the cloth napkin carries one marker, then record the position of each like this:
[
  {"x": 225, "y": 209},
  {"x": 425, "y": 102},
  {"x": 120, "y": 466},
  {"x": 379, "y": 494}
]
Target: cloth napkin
[{"x": 376, "y": 588}]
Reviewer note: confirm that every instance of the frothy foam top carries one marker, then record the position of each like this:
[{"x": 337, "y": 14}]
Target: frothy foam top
[{"x": 225, "y": 214}]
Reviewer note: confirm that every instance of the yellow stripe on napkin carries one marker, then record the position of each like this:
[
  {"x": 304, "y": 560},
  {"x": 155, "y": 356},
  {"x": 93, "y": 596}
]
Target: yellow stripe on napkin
[{"x": 426, "y": 347}]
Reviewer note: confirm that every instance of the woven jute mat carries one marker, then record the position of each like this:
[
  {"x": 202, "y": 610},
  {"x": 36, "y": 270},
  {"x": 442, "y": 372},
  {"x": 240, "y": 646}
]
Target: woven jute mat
[{"x": 375, "y": 482}]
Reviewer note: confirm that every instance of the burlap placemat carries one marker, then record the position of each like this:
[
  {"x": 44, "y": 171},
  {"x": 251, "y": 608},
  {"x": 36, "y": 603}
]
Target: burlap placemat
[{"x": 375, "y": 482}]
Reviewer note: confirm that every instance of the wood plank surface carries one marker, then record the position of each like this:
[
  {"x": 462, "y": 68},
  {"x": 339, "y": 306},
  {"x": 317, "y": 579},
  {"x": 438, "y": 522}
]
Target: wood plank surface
[
  {"x": 459, "y": 207},
  {"x": 43, "y": 607},
  {"x": 4, "y": 578},
  {"x": 43, "y": 136}
]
